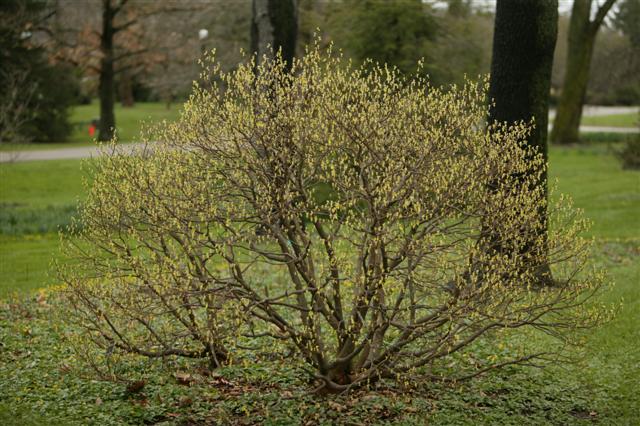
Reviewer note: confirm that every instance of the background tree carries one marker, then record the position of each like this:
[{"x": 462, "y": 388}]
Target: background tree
[
  {"x": 461, "y": 44},
  {"x": 35, "y": 95},
  {"x": 614, "y": 77},
  {"x": 393, "y": 33},
  {"x": 274, "y": 23},
  {"x": 459, "y": 8},
  {"x": 624, "y": 61},
  {"x": 15, "y": 103},
  {"x": 627, "y": 20},
  {"x": 106, "y": 87},
  {"x": 113, "y": 37},
  {"x": 167, "y": 71},
  {"x": 581, "y": 39},
  {"x": 523, "y": 44},
  {"x": 312, "y": 15}
]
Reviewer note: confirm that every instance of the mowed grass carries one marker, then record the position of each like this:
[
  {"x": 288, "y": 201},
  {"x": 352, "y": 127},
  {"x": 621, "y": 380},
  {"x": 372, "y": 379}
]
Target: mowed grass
[
  {"x": 39, "y": 184},
  {"x": 601, "y": 388},
  {"x": 609, "y": 195},
  {"x": 36, "y": 200},
  {"x": 615, "y": 120},
  {"x": 610, "y": 198},
  {"x": 129, "y": 122}
]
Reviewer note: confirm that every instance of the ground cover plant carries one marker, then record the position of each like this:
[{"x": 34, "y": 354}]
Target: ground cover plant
[
  {"x": 43, "y": 381},
  {"x": 335, "y": 215}
]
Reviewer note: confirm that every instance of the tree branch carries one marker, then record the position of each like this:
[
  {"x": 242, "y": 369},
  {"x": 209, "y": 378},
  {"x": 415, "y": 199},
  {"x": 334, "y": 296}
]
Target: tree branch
[{"x": 601, "y": 14}]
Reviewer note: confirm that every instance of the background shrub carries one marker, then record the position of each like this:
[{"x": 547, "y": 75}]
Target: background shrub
[{"x": 630, "y": 153}]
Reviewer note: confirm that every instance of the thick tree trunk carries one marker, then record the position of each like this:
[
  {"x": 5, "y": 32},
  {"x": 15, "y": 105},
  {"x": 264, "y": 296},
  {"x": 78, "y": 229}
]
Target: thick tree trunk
[
  {"x": 566, "y": 129},
  {"x": 580, "y": 48},
  {"x": 274, "y": 24},
  {"x": 582, "y": 36},
  {"x": 106, "y": 86},
  {"x": 523, "y": 45}
]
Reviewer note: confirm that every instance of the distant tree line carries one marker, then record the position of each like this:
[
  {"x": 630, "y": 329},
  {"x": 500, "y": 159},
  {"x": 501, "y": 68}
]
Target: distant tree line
[
  {"x": 131, "y": 50},
  {"x": 35, "y": 94}
]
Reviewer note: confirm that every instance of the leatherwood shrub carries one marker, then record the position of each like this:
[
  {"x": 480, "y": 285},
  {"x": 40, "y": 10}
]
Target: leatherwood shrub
[{"x": 336, "y": 210}]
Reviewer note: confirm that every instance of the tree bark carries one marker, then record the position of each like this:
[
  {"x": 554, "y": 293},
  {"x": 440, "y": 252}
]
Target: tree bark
[
  {"x": 523, "y": 45},
  {"x": 582, "y": 36},
  {"x": 106, "y": 86},
  {"x": 274, "y": 24}
]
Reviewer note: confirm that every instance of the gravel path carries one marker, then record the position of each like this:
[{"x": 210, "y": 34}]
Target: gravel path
[
  {"x": 60, "y": 153},
  {"x": 597, "y": 110},
  {"x": 605, "y": 129}
]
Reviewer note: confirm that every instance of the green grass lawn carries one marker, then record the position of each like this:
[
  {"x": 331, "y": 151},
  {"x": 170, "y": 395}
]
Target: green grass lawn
[
  {"x": 616, "y": 120},
  {"x": 36, "y": 199},
  {"x": 609, "y": 195},
  {"x": 129, "y": 121},
  {"x": 36, "y": 388},
  {"x": 41, "y": 184}
]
